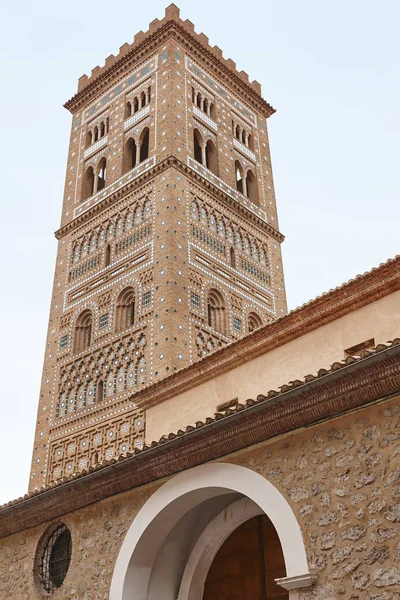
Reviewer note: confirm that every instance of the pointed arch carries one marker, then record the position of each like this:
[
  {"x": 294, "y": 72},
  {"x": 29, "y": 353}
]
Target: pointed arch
[
  {"x": 212, "y": 157},
  {"x": 252, "y": 187},
  {"x": 239, "y": 176},
  {"x": 197, "y": 145},
  {"x": 83, "y": 331},
  {"x": 125, "y": 309},
  {"x": 212, "y": 223},
  {"x": 88, "y": 183},
  {"x": 129, "y": 155},
  {"x": 102, "y": 174},
  {"x": 216, "y": 311},
  {"x": 107, "y": 256},
  {"x": 254, "y": 321},
  {"x": 232, "y": 258},
  {"x": 101, "y": 390},
  {"x": 143, "y": 143},
  {"x": 250, "y": 141}
]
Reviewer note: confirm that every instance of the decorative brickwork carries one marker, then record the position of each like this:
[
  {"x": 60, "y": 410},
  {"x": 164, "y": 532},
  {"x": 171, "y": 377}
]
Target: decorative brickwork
[{"x": 161, "y": 258}]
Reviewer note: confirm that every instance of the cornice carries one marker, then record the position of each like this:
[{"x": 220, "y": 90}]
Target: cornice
[
  {"x": 152, "y": 41},
  {"x": 170, "y": 161},
  {"x": 345, "y": 388},
  {"x": 324, "y": 309}
]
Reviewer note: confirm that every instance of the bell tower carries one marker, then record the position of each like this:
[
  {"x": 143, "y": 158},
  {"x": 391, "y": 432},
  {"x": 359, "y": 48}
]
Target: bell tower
[{"x": 169, "y": 246}]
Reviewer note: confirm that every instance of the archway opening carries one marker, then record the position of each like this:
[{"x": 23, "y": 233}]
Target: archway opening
[
  {"x": 212, "y": 157},
  {"x": 144, "y": 144},
  {"x": 101, "y": 182},
  {"x": 129, "y": 157},
  {"x": 88, "y": 183},
  {"x": 247, "y": 564},
  {"x": 179, "y": 541},
  {"x": 252, "y": 188},
  {"x": 197, "y": 141}
]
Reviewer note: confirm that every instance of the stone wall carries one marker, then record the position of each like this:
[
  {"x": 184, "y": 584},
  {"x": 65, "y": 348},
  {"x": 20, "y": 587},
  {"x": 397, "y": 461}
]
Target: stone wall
[{"x": 341, "y": 478}]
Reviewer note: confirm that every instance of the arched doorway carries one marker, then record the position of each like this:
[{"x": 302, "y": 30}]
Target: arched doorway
[
  {"x": 247, "y": 564},
  {"x": 171, "y": 545}
]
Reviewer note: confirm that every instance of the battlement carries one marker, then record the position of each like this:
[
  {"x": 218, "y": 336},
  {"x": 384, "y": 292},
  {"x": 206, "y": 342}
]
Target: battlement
[{"x": 172, "y": 16}]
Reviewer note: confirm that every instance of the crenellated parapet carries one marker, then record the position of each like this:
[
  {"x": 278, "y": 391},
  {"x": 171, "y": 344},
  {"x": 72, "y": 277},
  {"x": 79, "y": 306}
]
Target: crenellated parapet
[{"x": 144, "y": 43}]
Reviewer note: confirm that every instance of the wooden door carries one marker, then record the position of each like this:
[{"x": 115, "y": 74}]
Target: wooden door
[{"x": 247, "y": 564}]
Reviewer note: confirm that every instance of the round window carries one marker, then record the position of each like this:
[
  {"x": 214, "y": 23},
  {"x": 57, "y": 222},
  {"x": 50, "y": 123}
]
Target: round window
[{"x": 55, "y": 558}]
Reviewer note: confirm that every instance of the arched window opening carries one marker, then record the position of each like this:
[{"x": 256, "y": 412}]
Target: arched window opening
[
  {"x": 252, "y": 556},
  {"x": 101, "y": 391},
  {"x": 216, "y": 311},
  {"x": 83, "y": 331},
  {"x": 96, "y": 133},
  {"x": 252, "y": 187},
  {"x": 107, "y": 124},
  {"x": 232, "y": 258},
  {"x": 250, "y": 142},
  {"x": 212, "y": 157},
  {"x": 102, "y": 129},
  {"x": 144, "y": 144},
  {"x": 135, "y": 105},
  {"x": 239, "y": 176},
  {"x": 237, "y": 132},
  {"x": 197, "y": 143},
  {"x": 89, "y": 136},
  {"x": 101, "y": 180},
  {"x": 107, "y": 258},
  {"x": 198, "y": 100},
  {"x": 193, "y": 95},
  {"x": 129, "y": 156},
  {"x": 128, "y": 110},
  {"x": 142, "y": 100},
  {"x": 88, "y": 183},
  {"x": 125, "y": 310},
  {"x": 149, "y": 94},
  {"x": 253, "y": 322},
  {"x": 212, "y": 110}
]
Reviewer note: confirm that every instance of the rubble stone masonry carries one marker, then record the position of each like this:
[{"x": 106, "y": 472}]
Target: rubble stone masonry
[{"x": 341, "y": 478}]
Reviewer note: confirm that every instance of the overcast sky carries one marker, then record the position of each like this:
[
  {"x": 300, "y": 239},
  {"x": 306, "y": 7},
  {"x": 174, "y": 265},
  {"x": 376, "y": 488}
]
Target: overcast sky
[{"x": 330, "y": 69}]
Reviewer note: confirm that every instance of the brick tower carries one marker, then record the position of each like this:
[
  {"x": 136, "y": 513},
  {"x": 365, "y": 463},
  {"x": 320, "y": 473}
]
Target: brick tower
[{"x": 169, "y": 245}]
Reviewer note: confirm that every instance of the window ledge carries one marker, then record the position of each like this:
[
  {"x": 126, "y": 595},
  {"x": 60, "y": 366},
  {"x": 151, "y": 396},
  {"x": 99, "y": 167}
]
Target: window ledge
[
  {"x": 244, "y": 150},
  {"x": 205, "y": 118},
  {"x": 136, "y": 117},
  {"x": 96, "y": 146}
]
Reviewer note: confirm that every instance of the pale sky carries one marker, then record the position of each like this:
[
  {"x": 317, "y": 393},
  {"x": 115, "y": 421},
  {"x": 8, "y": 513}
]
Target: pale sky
[{"x": 330, "y": 69}]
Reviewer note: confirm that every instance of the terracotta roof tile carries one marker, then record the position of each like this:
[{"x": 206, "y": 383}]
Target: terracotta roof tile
[{"x": 225, "y": 414}]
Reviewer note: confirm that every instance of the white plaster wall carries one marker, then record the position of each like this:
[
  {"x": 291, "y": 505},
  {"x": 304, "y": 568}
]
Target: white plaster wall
[{"x": 307, "y": 354}]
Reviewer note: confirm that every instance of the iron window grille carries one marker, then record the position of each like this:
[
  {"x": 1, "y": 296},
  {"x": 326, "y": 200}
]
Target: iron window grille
[
  {"x": 55, "y": 559},
  {"x": 103, "y": 321},
  {"x": 64, "y": 341},
  {"x": 237, "y": 324},
  {"x": 146, "y": 299},
  {"x": 195, "y": 300}
]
